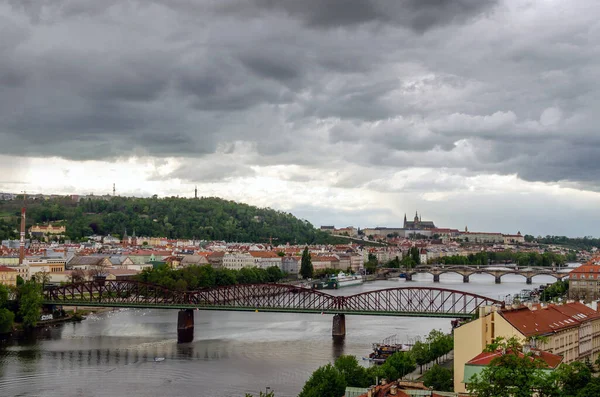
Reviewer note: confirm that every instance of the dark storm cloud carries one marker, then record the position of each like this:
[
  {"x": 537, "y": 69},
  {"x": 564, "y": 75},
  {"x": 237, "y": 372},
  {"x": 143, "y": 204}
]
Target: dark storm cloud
[
  {"x": 419, "y": 15},
  {"x": 471, "y": 85}
]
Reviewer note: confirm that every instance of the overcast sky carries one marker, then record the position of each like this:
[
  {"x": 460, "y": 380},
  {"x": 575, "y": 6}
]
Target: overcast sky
[{"x": 478, "y": 113}]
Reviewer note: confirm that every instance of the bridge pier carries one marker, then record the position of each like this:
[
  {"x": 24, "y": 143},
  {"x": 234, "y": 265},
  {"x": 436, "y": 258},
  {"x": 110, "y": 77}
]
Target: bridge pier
[
  {"x": 339, "y": 325},
  {"x": 465, "y": 279},
  {"x": 529, "y": 280},
  {"x": 498, "y": 280},
  {"x": 436, "y": 278},
  {"x": 185, "y": 326}
]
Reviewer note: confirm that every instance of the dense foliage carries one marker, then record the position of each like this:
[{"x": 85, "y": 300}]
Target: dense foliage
[
  {"x": 203, "y": 219},
  {"x": 195, "y": 277},
  {"x": 332, "y": 380},
  {"x": 520, "y": 258},
  {"x": 436, "y": 345},
  {"x": 520, "y": 374},
  {"x": 7, "y": 317},
  {"x": 326, "y": 381},
  {"x": 585, "y": 243},
  {"x": 559, "y": 289},
  {"x": 29, "y": 298},
  {"x": 439, "y": 378}
]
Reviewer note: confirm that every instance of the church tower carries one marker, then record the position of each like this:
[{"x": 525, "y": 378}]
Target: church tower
[
  {"x": 416, "y": 220},
  {"x": 404, "y": 220}
]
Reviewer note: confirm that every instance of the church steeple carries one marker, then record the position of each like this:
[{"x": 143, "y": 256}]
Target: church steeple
[{"x": 405, "y": 220}]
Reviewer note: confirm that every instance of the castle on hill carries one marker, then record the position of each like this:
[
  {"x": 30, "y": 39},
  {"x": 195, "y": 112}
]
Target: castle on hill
[{"x": 417, "y": 223}]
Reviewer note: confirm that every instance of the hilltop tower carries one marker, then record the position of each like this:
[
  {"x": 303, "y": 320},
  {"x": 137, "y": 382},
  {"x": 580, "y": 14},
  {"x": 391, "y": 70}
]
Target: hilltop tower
[{"x": 196, "y": 192}]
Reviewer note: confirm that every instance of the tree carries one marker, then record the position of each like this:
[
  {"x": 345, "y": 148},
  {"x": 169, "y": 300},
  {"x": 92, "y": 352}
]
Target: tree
[
  {"x": 421, "y": 353},
  {"x": 439, "y": 378},
  {"x": 592, "y": 389},
  {"x": 306, "y": 267},
  {"x": 4, "y": 293},
  {"x": 513, "y": 374},
  {"x": 77, "y": 276},
  {"x": 354, "y": 374},
  {"x": 407, "y": 262},
  {"x": 403, "y": 363},
  {"x": 6, "y": 320},
  {"x": 42, "y": 277},
  {"x": 415, "y": 255},
  {"x": 326, "y": 381},
  {"x": 573, "y": 377},
  {"x": 30, "y": 303},
  {"x": 95, "y": 271}
]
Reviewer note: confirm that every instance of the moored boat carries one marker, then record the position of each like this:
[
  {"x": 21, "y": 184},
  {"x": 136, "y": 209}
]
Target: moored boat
[{"x": 343, "y": 280}]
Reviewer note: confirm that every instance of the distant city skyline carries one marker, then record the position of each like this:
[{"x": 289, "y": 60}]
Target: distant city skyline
[{"x": 478, "y": 113}]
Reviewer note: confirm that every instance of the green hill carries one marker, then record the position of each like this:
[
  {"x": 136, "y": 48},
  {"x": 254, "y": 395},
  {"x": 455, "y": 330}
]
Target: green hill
[{"x": 203, "y": 219}]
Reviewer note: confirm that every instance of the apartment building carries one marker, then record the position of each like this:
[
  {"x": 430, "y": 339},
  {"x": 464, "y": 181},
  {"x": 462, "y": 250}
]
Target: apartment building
[
  {"x": 584, "y": 282},
  {"x": 8, "y": 276},
  {"x": 237, "y": 260},
  {"x": 571, "y": 331},
  {"x": 265, "y": 259}
]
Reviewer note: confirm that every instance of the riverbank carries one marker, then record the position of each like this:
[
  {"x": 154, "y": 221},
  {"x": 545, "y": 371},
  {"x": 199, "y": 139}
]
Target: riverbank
[{"x": 72, "y": 315}]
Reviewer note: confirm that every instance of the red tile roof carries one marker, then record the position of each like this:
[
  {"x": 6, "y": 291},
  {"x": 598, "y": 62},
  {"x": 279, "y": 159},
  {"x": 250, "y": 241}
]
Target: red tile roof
[
  {"x": 485, "y": 358},
  {"x": 549, "y": 319},
  {"x": 264, "y": 254},
  {"x": 6, "y": 269}
]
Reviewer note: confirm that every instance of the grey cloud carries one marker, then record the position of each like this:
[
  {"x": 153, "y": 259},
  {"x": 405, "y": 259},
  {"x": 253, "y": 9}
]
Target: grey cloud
[
  {"x": 412, "y": 83},
  {"x": 206, "y": 172}
]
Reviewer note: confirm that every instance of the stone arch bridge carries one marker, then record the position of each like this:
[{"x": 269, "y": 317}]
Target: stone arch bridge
[{"x": 496, "y": 271}]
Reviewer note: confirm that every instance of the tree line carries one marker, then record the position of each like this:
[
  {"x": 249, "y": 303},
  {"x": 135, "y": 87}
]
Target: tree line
[
  {"x": 207, "y": 218},
  {"x": 505, "y": 257},
  {"x": 332, "y": 380},
  {"x": 197, "y": 277},
  {"x": 585, "y": 243}
]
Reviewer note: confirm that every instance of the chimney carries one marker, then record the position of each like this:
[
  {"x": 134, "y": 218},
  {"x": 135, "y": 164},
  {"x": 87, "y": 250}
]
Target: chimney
[
  {"x": 22, "y": 238},
  {"x": 393, "y": 390}
]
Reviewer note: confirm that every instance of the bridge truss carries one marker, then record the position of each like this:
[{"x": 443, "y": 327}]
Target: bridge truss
[{"x": 403, "y": 301}]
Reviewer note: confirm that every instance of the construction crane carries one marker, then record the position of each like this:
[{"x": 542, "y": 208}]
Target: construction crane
[{"x": 270, "y": 240}]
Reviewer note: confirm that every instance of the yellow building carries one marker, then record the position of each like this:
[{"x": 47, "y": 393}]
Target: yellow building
[
  {"x": 43, "y": 231},
  {"x": 564, "y": 326},
  {"x": 8, "y": 276}
]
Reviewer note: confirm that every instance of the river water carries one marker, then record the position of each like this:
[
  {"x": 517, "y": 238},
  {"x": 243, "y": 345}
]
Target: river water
[{"x": 112, "y": 353}]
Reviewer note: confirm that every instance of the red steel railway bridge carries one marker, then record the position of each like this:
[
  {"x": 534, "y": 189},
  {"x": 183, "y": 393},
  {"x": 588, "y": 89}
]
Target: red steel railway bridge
[{"x": 403, "y": 301}]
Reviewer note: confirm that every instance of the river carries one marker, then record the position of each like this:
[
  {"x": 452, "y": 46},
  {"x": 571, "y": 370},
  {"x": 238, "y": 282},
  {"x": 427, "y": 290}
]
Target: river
[{"x": 111, "y": 354}]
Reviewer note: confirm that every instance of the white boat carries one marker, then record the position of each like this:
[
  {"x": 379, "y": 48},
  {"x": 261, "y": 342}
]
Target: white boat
[
  {"x": 159, "y": 359},
  {"x": 343, "y": 280}
]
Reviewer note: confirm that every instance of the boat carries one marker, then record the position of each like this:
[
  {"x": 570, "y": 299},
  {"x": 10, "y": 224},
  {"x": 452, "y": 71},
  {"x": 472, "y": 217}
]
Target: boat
[
  {"x": 382, "y": 351},
  {"x": 159, "y": 359},
  {"x": 343, "y": 280}
]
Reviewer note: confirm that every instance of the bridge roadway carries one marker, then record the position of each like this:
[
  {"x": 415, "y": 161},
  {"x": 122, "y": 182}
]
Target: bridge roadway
[
  {"x": 495, "y": 270},
  {"x": 403, "y": 301}
]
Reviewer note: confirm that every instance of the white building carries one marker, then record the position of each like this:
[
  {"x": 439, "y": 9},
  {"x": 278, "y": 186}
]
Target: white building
[
  {"x": 265, "y": 259},
  {"x": 237, "y": 260}
]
